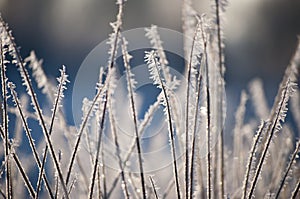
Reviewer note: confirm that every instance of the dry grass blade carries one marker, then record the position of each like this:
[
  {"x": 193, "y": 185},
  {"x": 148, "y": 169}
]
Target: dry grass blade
[
  {"x": 153, "y": 64},
  {"x": 153, "y": 187},
  {"x": 252, "y": 156},
  {"x": 289, "y": 167},
  {"x": 196, "y": 115},
  {"x": 118, "y": 152},
  {"x": 278, "y": 112},
  {"x": 24, "y": 175},
  {"x": 20, "y": 167},
  {"x": 189, "y": 74},
  {"x": 100, "y": 90},
  {"x": 113, "y": 41},
  {"x": 208, "y": 104},
  {"x": 59, "y": 95},
  {"x": 130, "y": 87},
  {"x": 13, "y": 50},
  {"x": 143, "y": 124},
  {"x": 219, "y": 7},
  {"x": 5, "y": 117},
  {"x": 96, "y": 160},
  {"x": 274, "y": 127},
  {"x": 296, "y": 190},
  {"x": 31, "y": 141},
  {"x": 180, "y": 137}
]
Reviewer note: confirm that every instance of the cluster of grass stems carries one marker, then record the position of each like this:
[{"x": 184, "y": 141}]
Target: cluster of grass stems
[{"x": 71, "y": 163}]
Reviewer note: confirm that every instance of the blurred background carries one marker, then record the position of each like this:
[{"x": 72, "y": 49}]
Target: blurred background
[{"x": 260, "y": 35}]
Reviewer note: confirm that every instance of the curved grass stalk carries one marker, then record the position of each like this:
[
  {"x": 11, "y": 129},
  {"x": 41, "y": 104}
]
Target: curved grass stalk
[
  {"x": 113, "y": 41},
  {"x": 289, "y": 167},
  {"x": 40, "y": 77},
  {"x": 153, "y": 187},
  {"x": 104, "y": 181},
  {"x": 193, "y": 152},
  {"x": 151, "y": 60},
  {"x": 100, "y": 194},
  {"x": 171, "y": 81},
  {"x": 26, "y": 80},
  {"x": 19, "y": 166},
  {"x": 24, "y": 175},
  {"x": 96, "y": 160},
  {"x": 59, "y": 95},
  {"x": 2, "y": 194},
  {"x": 274, "y": 127},
  {"x": 189, "y": 74},
  {"x": 130, "y": 87},
  {"x": 208, "y": 104},
  {"x": 208, "y": 136},
  {"x": 100, "y": 91},
  {"x": 118, "y": 152},
  {"x": 219, "y": 5},
  {"x": 171, "y": 184},
  {"x": 251, "y": 158},
  {"x": 296, "y": 190},
  {"x": 31, "y": 142},
  {"x": 279, "y": 106},
  {"x": 5, "y": 118},
  {"x": 188, "y": 25},
  {"x": 291, "y": 74},
  {"x": 143, "y": 124}
]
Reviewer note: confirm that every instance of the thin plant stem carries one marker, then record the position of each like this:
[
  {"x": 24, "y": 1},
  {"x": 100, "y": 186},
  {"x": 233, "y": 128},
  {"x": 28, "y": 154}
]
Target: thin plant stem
[
  {"x": 25, "y": 177},
  {"x": 171, "y": 137},
  {"x": 100, "y": 195},
  {"x": 20, "y": 167},
  {"x": 208, "y": 136},
  {"x": 171, "y": 184},
  {"x": 208, "y": 104},
  {"x": 153, "y": 187},
  {"x": 96, "y": 162},
  {"x": 189, "y": 74},
  {"x": 251, "y": 158},
  {"x": 59, "y": 95},
  {"x": 81, "y": 130},
  {"x": 2, "y": 194},
  {"x": 110, "y": 66},
  {"x": 31, "y": 141},
  {"x": 273, "y": 127},
  {"x": 118, "y": 153},
  {"x": 142, "y": 127},
  {"x": 193, "y": 153},
  {"x": 24, "y": 73},
  {"x": 152, "y": 59},
  {"x": 296, "y": 190},
  {"x": 56, "y": 187},
  {"x": 103, "y": 173},
  {"x": 5, "y": 121},
  {"x": 220, "y": 89},
  {"x": 134, "y": 115},
  {"x": 289, "y": 167}
]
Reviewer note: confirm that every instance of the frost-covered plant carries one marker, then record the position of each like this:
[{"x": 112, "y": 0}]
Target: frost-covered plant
[{"x": 261, "y": 164}]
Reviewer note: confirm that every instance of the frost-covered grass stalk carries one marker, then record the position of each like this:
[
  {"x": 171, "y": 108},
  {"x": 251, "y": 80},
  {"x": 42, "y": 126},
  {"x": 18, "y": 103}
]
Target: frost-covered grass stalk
[
  {"x": 84, "y": 164},
  {"x": 131, "y": 86},
  {"x": 154, "y": 68}
]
